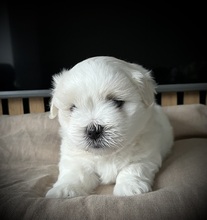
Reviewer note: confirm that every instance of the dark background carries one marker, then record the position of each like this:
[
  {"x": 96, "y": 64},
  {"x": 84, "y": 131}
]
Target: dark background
[{"x": 44, "y": 39}]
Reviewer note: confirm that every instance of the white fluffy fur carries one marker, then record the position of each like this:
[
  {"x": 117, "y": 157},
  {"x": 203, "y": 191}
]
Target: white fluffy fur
[{"x": 137, "y": 136}]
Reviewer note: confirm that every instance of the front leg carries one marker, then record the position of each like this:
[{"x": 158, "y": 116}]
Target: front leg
[
  {"x": 135, "y": 179},
  {"x": 74, "y": 180}
]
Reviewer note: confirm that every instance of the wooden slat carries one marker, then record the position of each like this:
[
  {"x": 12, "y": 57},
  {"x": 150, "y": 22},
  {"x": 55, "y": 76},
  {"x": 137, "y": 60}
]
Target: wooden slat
[
  {"x": 168, "y": 98},
  {"x": 1, "y": 108},
  {"x": 191, "y": 98},
  {"x": 15, "y": 106},
  {"x": 36, "y": 105}
]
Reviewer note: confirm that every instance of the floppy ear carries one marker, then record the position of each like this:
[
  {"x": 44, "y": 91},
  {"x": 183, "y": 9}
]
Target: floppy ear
[
  {"x": 145, "y": 83},
  {"x": 53, "y": 110},
  {"x": 57, "y": 82}
]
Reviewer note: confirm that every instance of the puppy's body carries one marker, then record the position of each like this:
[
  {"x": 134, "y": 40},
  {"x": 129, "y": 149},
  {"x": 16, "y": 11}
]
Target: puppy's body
[{"x": 112, "y": 130}]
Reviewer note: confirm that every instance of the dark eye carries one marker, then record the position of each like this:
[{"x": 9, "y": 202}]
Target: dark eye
[
  {"x": 72, "y": 107},
  {"x": 118, "y": 103}
]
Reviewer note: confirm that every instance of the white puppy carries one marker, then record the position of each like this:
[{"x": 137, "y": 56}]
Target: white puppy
[{"x": 112, "y": 130}]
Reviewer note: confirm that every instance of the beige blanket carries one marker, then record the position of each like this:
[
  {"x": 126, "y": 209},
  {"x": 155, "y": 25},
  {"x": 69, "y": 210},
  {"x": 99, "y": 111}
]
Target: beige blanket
[{"x": 29, "y": 154}]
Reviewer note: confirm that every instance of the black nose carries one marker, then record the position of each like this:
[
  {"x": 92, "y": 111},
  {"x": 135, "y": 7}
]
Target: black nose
[{"x": 94, "y": 131}]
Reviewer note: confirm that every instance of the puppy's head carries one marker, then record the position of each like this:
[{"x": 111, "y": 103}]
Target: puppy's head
[{"x": 102, "y": 103}]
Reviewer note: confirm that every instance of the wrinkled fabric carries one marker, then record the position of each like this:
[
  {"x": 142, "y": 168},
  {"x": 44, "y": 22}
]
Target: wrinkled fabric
[{"x": 29, "y": 155}]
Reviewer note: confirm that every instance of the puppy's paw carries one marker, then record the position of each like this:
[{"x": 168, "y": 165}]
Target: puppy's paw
[
  {"x": 130, "y": 189},
  {"x": 65, "y": 191}
]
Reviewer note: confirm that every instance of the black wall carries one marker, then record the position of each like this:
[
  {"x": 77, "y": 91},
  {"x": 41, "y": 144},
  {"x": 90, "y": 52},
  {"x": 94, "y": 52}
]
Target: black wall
[{"x": 46, "y": 38}]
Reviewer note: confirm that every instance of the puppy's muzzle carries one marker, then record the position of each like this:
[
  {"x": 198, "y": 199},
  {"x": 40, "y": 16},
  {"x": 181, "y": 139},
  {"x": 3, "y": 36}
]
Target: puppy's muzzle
[{"x": 94, "y": 131}]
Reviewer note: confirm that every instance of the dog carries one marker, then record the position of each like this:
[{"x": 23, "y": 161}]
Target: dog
[{"x": 112, "y": 130}]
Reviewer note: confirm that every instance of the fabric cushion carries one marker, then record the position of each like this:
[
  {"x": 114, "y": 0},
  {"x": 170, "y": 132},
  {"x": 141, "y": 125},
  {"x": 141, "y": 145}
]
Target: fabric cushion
[
  {"x": 188, "y": 120},
  {"x": 29, "y": 155}
]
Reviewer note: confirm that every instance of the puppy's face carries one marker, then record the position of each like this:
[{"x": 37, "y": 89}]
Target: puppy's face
[{"x": 102, "y": 103}]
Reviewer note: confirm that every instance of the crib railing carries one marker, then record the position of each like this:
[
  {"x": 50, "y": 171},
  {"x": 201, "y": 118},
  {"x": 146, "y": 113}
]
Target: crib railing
[
  {"x": 21, "y": 102},
  {"x": 37, "y": 101}
]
